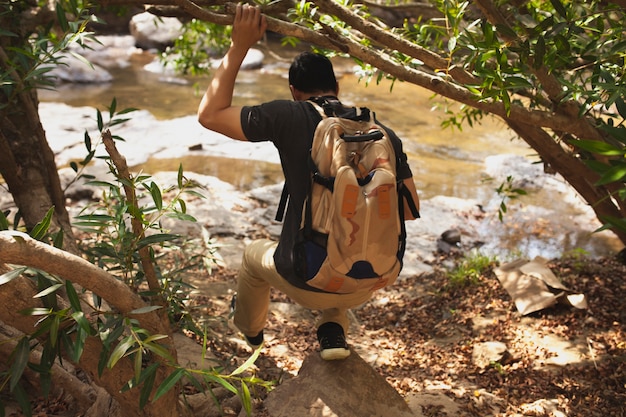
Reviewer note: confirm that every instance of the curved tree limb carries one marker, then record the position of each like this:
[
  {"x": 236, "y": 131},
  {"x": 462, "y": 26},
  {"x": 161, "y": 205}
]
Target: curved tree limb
[{"x": 20, "y": 249}]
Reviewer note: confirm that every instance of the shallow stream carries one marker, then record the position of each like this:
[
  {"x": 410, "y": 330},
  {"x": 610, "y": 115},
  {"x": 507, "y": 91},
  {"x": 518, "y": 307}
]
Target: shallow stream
[{"x": 445, "y": 162}]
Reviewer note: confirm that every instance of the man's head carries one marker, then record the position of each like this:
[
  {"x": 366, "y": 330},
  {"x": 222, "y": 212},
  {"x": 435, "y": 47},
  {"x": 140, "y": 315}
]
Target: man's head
[{"x": 312, "y": 74}]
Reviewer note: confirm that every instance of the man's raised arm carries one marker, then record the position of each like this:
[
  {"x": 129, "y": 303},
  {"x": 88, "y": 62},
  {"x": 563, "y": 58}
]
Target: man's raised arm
[{"x": 216, "y": 111}]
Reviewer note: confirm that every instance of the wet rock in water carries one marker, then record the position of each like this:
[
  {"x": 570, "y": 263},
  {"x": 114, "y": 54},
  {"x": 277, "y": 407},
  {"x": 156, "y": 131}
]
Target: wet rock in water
[
  {"x": 449, "y": 241},
  {"x": 153, "y": 32}
]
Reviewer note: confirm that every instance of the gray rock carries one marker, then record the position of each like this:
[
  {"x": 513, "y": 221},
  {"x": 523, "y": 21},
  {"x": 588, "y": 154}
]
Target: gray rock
[{"x": 151, "y": 31}]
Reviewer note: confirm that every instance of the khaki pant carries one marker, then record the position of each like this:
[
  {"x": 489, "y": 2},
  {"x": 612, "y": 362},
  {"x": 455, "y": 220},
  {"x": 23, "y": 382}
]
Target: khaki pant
[{"x": 256, "y": 276}]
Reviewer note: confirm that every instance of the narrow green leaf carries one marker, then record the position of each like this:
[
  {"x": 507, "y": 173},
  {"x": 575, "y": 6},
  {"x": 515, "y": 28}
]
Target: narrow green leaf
[
  {"x": 169, "y": 383},
  {"x": 4, "y": 222},
  {"x": 180, "y": 176},
  {"x": 54, "y": 329},
  {"x": 74, "y": 166},
  {"x": 87, "y": 141},
  {"x": 560, "y": 9},
  {"x": 159, "y": 350},
  {"x": 61, "y": 19},
  {"x": 540, "y": 52},
  {"x": 157, "y": 197},
  {"x": 248, "y": 363},
  {"x": 11, "y": 275},
  {"x": 100, "y": 122},
  {"x": 595, "y": 146},
  {"x": 20, "y": 360},
  {"x": 246, "y": 399},
  {"x": 452, "y": 43},
  {"x": 72, "y": 296},
  {"x": 143, "y": 310},
  {"x": 36, "y": 311},
  {"x": 147, "y": 378},
  {"x": 137, "y": 363},
  {"x": 182, "y": 217},
  {"x": 156, "y": 238},
  {"x": 51, "y": 289},
  {"x": 614, "y": 174},
  {"x": 120, "y": 350},
  {"x": 41, "y": 228},
  {"x": 223, "y": 382},
  {"x": 621, "y": 106},
  {"x": 112, "y": 108},
  {"x": 21, "y": 396}
]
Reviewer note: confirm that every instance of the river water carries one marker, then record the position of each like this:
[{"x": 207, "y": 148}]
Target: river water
[{"x": 445, "y": 162}]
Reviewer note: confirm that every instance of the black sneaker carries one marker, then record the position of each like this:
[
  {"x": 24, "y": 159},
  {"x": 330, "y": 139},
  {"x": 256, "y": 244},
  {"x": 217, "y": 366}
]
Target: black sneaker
[
  {"x": 332, "y": 340},
  {"x": 256, "y": 341}
]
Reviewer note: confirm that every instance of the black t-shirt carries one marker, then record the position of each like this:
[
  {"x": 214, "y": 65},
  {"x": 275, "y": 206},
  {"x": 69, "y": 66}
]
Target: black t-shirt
[{"x": 290, "y": 125}]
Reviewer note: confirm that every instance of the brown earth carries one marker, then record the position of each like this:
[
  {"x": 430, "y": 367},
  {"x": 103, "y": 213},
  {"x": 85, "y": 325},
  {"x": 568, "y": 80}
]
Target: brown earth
[{"x": 419, "y": 335}]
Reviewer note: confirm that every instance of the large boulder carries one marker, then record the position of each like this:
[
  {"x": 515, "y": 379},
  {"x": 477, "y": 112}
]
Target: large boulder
[
  {"x": 152, "y": 32},
  {"x": 346, "y": 388}
]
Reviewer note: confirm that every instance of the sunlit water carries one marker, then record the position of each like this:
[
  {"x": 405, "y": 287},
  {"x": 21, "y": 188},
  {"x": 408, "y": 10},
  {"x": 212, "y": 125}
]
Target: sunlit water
[{"x": 445, "y": 162}]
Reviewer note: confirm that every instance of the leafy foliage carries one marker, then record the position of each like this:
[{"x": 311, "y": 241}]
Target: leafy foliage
[
  {"x": 469, "y": 269},
  {"x": 28, "y": 63},
  {"x": 199, "y": 41},
  {"x": 110, "y": 243}
]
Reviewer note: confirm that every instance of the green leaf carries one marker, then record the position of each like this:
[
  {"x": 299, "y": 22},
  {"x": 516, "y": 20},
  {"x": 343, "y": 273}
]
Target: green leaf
[
  {"x": 4, "y": 222},
  {"x": 100, "y": 122},
  {"x": 20, "y": 360},
  {"x": 180, "y": 176},
  {"x": 11, "y": 275},
  {"x": 87, "y": 141},
  {"x": 223, "y": 382},
  {"x": 560, "y": 9},
  {"x": 595, "y": 146},
  {"x": 169, "y": 383},
  {"x": 72, "y": 296},
  {"x": 156, "y": 238},
  {"x": 540, "y": 52},
  {"x": 22, "y": 399},
  {"x": 143, "y": 310},
  {"x": 48, "y": 290},
  {"x": 248, "y": 363},
  {"x": 112, "y": 108},
  {"x": 147, "y": 378},
  {"x": 61, "y": 19},
  {"x": 41, "y": 228},
  {"x": 120, "y": 350},
  {"x": 157, "y": 197},
  {"x": 181, "y": 216},
  {"x": 137, "y": 363},
  {"x": 614, "y": 174},
  {"x": 160, "y": 351},
  {"x": 246, "y": 399},
  {"x": 621, "y": 107}
]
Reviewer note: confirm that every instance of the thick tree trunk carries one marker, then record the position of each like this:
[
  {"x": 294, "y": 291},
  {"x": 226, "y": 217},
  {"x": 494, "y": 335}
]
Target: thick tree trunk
[
  {"x": 28, "y": 167},
  {"x": 19, "y": 294},
  {"x": 26, "y": 160}
]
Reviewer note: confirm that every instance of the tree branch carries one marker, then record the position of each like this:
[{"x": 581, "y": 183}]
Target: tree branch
[{"x": 122, "y": 169}]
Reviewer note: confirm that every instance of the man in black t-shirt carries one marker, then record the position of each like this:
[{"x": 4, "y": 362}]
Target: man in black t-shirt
[{"x": 290, "y": 125}]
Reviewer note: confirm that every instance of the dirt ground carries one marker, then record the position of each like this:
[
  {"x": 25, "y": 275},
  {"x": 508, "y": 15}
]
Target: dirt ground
[{"x": 420, "y": 335}]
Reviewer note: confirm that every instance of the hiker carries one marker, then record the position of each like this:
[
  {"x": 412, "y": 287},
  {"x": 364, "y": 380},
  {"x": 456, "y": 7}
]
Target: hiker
[{"x": 290, "y": 125}]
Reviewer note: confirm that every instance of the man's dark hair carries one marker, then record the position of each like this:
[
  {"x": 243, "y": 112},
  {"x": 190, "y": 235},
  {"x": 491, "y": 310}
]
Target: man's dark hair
[{"x": 311, "y": 72}]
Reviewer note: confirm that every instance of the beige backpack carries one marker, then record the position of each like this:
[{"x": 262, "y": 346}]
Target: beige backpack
[{"x": 352, "y": 235}]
